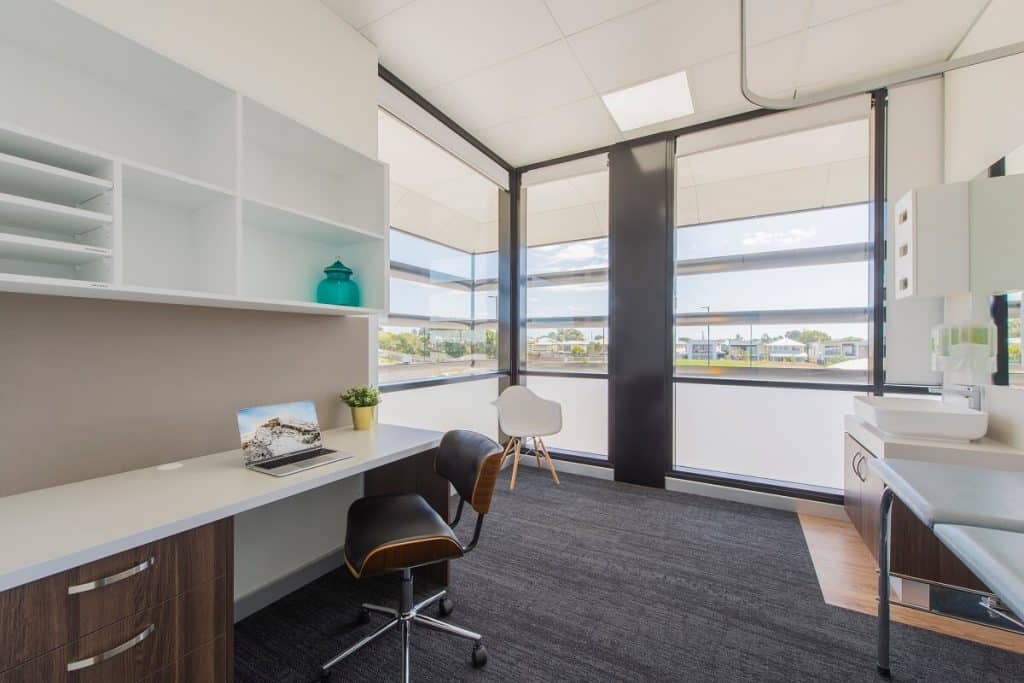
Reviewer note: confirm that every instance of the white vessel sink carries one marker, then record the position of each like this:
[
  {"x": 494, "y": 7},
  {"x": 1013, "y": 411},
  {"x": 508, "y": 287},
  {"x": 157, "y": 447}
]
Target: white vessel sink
[{"x": 921, "y": 418}]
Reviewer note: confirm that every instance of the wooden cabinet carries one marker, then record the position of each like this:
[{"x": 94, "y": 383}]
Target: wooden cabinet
[
  {"x": 124, "y": 617},
  {"x": 854, "y": 474},
  {"x": 915, "y": 552}
]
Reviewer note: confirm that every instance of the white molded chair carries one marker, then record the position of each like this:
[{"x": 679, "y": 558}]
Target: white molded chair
[{"x": 524, "y": 415}]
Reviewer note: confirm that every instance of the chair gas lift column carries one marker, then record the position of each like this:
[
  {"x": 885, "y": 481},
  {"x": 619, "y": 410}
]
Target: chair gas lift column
[{"x": 524, "y": 415}]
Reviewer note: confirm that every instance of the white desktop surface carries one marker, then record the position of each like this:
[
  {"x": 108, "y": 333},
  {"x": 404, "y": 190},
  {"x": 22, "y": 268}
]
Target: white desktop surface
[{"x": 50, "y": 530}]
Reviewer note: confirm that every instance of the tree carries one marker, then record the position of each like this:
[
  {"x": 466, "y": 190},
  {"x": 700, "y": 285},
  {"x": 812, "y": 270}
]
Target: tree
[
  {"x": 567, "y": 334},
  {"x": 454, "y": 349},
  {"x": 578, "y": 350},
  {"x": 490, "y": 344},
  {"x": 808, "y": 336}
]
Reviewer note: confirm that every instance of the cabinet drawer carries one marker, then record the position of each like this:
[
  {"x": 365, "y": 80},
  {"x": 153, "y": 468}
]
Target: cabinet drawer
[
  {"x": 51, "y": 612},
  {"x": 137, "y": 646},
  {"x": 208, "y": 664}
]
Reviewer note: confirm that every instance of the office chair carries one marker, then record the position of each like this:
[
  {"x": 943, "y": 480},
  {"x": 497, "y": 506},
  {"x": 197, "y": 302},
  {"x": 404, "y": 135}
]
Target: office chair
[
  {"x": 524, "y": 415},
  {"x": 399, "y": 532}
]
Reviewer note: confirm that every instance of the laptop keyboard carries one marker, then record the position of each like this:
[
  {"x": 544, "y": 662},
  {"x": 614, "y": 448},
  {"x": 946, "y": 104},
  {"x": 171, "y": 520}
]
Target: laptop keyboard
[{"x": 281, "y": 462}]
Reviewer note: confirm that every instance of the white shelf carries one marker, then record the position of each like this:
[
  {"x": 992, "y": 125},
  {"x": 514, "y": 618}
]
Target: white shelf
[
  {"x": 269, "y": 216},
  {"x": 166, "y": 187},
  {"x": 48, "y": 251},
  {"x": 97, "y": 290},
  {"x": 20, "y": 212},
  {"x": 34, "y": 180},
  {"x": 42, "y": 150}
]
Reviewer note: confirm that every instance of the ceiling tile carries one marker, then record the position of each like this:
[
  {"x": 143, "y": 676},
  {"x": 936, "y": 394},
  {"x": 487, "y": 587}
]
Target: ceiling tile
[
  {"x": 904, "y": 34},
  {"x": 430, "y": 42},
  {"x": 829, "y": 10},
  {"x": 571, "y": 128},
  {"x": 655, "y": 41},
  {"x": 359, "y": 13},
  {"x": 769, "y": 19},
  {"x": 574, "y": 16},
  {"x": 531, "y": 83},
  {"x": 772, "y": 70}
]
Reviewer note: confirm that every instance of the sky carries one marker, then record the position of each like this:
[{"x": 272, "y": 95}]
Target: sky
[{"x": 826, "y": 286}]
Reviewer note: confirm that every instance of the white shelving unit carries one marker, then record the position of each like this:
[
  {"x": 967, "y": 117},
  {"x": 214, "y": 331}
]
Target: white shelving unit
[
  {"x": 33, "y": 180},
  {"x": 49, "y": 251},
  {"x": 125, "y": 175}
]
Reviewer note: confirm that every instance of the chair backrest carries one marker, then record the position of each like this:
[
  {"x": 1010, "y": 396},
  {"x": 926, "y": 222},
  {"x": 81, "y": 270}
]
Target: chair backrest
[
  {"x": 471, "y": 462},
  {"x": 523, "y": 413}
]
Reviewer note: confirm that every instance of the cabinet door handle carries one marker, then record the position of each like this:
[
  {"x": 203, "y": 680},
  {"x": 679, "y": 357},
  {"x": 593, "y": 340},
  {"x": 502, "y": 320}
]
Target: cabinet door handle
[
  {"x": 858, "y": 460},
  {"x": 113, "y": 578},
  {"x": 113, "y": 652}
]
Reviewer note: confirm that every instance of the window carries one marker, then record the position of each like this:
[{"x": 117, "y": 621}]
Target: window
[
  {"x": 773, "y": 252},
  {"x": 442, "y": 320},
  {"x": 773, "y": 255},
  {"x": 567, "y": 273}
]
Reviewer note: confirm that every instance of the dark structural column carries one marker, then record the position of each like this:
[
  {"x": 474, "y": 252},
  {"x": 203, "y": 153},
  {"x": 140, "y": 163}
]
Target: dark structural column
[{"x": 641, "y": 208}]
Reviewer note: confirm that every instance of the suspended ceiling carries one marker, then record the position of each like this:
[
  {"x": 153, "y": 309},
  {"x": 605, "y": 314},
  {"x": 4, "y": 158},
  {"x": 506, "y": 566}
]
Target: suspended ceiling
[{"x": 526, "y": 77}]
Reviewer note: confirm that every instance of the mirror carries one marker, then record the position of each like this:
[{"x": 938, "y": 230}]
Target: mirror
[{"x": 1006, "y": 308}]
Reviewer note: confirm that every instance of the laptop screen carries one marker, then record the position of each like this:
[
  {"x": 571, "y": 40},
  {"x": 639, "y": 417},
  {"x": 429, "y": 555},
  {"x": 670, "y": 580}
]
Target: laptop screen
[{"x": 278, "y": 430}]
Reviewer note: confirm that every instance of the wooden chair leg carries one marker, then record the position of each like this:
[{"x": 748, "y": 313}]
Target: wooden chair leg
[
  {"x": 508, "y": 447},
  {"x": 515, "y": 465},
  {"x": 536, "y": 451},
  {"x": 551, "y": 463}
]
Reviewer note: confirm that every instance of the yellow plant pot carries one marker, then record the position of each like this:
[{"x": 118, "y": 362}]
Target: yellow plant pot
[{"x": 363, "y": 418}]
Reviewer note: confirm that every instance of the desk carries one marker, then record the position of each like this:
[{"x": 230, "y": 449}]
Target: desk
[
  {"x": 975, "y": 511},
  {"x": 52, "y": 533}
]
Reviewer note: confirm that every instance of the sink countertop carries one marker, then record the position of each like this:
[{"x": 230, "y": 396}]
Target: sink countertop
[{"x": 984, "y": 452}]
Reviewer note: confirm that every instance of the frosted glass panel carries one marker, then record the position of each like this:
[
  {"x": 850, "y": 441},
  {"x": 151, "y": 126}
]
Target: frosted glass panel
[
  {"x": 464, "y": 405},
  {"x": 584, "y": 412},
  {"x": 790, "y": 435}
]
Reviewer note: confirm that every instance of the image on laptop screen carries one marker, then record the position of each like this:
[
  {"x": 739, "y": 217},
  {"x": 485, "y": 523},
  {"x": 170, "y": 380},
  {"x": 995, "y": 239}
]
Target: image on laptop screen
[{"x": 278, "y": 430}]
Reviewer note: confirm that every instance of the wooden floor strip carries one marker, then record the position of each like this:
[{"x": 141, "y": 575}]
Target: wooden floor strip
[{"x": 848, "y": 578}]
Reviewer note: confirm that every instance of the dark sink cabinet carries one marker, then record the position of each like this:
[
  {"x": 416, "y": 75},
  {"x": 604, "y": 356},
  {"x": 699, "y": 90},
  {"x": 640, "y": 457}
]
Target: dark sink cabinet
[{"x": 915, "y": 552}]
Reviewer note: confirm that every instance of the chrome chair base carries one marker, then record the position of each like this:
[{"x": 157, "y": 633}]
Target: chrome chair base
[{"x": 404, "y": 618}]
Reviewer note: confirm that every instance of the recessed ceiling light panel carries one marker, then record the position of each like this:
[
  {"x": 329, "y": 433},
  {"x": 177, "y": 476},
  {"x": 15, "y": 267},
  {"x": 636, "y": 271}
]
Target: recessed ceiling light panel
[{"x": 652, "y": 102}]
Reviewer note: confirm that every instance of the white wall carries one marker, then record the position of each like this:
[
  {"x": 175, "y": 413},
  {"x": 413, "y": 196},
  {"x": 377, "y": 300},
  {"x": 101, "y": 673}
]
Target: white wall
[
  {"x": 463, "y": 405},
  {"x": 984, "y": 102},
  {"x": 295, "y": 56},
  {"x": 915, "y": 159}
]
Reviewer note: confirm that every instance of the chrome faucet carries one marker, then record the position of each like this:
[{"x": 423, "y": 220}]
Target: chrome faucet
[{"x": 971, "y": 392}]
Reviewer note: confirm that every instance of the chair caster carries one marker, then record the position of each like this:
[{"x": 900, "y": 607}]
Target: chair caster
[
  {"x": 479, "y": 655},
  {"x": 445, "y": 607},
  {"x": 363, "y": 618}
]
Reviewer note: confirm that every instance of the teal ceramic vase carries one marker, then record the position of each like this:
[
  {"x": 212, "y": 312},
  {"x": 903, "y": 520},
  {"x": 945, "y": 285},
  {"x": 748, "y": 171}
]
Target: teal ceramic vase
[{"x": 338, "y": 288}]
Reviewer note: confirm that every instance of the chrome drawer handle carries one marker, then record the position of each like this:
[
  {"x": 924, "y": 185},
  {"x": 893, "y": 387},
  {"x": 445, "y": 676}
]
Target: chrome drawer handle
[
  {"x": 114, "y": 578},
  {"x": 123, "y": 647}
]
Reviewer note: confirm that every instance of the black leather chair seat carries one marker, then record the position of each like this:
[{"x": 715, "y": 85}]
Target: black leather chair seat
[{"x": 389, "y": 533}]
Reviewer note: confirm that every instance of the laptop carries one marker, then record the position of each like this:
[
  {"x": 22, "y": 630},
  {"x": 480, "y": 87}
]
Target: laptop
[{"x": 284, "y": 439}]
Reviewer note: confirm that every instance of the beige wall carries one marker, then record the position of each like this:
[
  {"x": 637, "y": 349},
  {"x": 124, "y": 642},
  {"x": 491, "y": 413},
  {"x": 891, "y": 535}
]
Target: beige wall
[{"x": 92, "y": 387}]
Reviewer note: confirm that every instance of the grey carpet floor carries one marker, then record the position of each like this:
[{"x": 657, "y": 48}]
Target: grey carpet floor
[{"x": 598, "y": 581}]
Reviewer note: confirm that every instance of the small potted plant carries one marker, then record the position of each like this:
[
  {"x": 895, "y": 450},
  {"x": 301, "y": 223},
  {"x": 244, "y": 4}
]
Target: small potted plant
[{"x": 363, "y": 402}]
